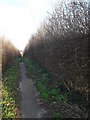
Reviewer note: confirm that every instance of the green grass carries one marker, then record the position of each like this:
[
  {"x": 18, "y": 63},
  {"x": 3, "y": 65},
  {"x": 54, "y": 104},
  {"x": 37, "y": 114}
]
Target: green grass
[
  {"x": 57, "y": 116},
  {"x": 48, "y": 94},
  {"x": 10, "y": 92},
  {"x": 41, "y": 78}
]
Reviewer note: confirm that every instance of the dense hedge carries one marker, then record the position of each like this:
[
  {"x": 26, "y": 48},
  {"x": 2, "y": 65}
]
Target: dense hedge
[
  {"x": 8, "y": 53},
  {"x": 61, "y": 45}
]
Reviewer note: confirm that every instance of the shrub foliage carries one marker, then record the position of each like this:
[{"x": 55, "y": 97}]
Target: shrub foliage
[
  {"x": 61, "y": 45},
  {"x": 8, "y": 52}
]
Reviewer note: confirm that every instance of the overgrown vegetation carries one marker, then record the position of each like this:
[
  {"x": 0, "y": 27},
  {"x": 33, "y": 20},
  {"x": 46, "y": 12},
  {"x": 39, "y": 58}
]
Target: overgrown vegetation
[
  {"x": 10, "y": 76},
  {"x": 54, "y": 100},
  {"x": 8, "y": 53},
  {"x": 10, "y": 92},
  {"x": 60, "y": 46}
]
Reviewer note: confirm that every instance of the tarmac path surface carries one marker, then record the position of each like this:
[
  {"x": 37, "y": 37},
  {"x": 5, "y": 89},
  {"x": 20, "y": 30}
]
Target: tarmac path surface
[{"x": 29, "y": 105}]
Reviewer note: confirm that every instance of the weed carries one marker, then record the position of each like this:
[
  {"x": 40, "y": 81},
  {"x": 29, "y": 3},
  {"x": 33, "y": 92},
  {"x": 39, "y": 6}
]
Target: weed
[
  {"x": 57, "y": 115},
  {"x": 47, "y": 93},
  {"x": 9, "y": 91}
]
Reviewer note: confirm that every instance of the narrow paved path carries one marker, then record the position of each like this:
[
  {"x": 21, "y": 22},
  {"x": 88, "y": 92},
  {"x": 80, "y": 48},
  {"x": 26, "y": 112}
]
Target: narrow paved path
[{"x": 30, "y": 108}]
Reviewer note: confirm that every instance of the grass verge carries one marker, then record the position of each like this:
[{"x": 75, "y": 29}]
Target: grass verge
[
  {"x": 56, "y": 99},
  {"x": 49, "y": 94},
  {"x": 10, "y": 91}
]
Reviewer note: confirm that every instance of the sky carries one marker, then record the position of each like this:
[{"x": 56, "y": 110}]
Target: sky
[{"x": 19, "y": 19}]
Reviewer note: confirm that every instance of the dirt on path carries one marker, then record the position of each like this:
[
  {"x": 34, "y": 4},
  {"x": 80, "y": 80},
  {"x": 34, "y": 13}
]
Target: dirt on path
[{"x": 29, "y": 105}]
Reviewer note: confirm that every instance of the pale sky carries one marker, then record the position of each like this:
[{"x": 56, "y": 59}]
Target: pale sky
[{"x": 19, "y": 19}]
